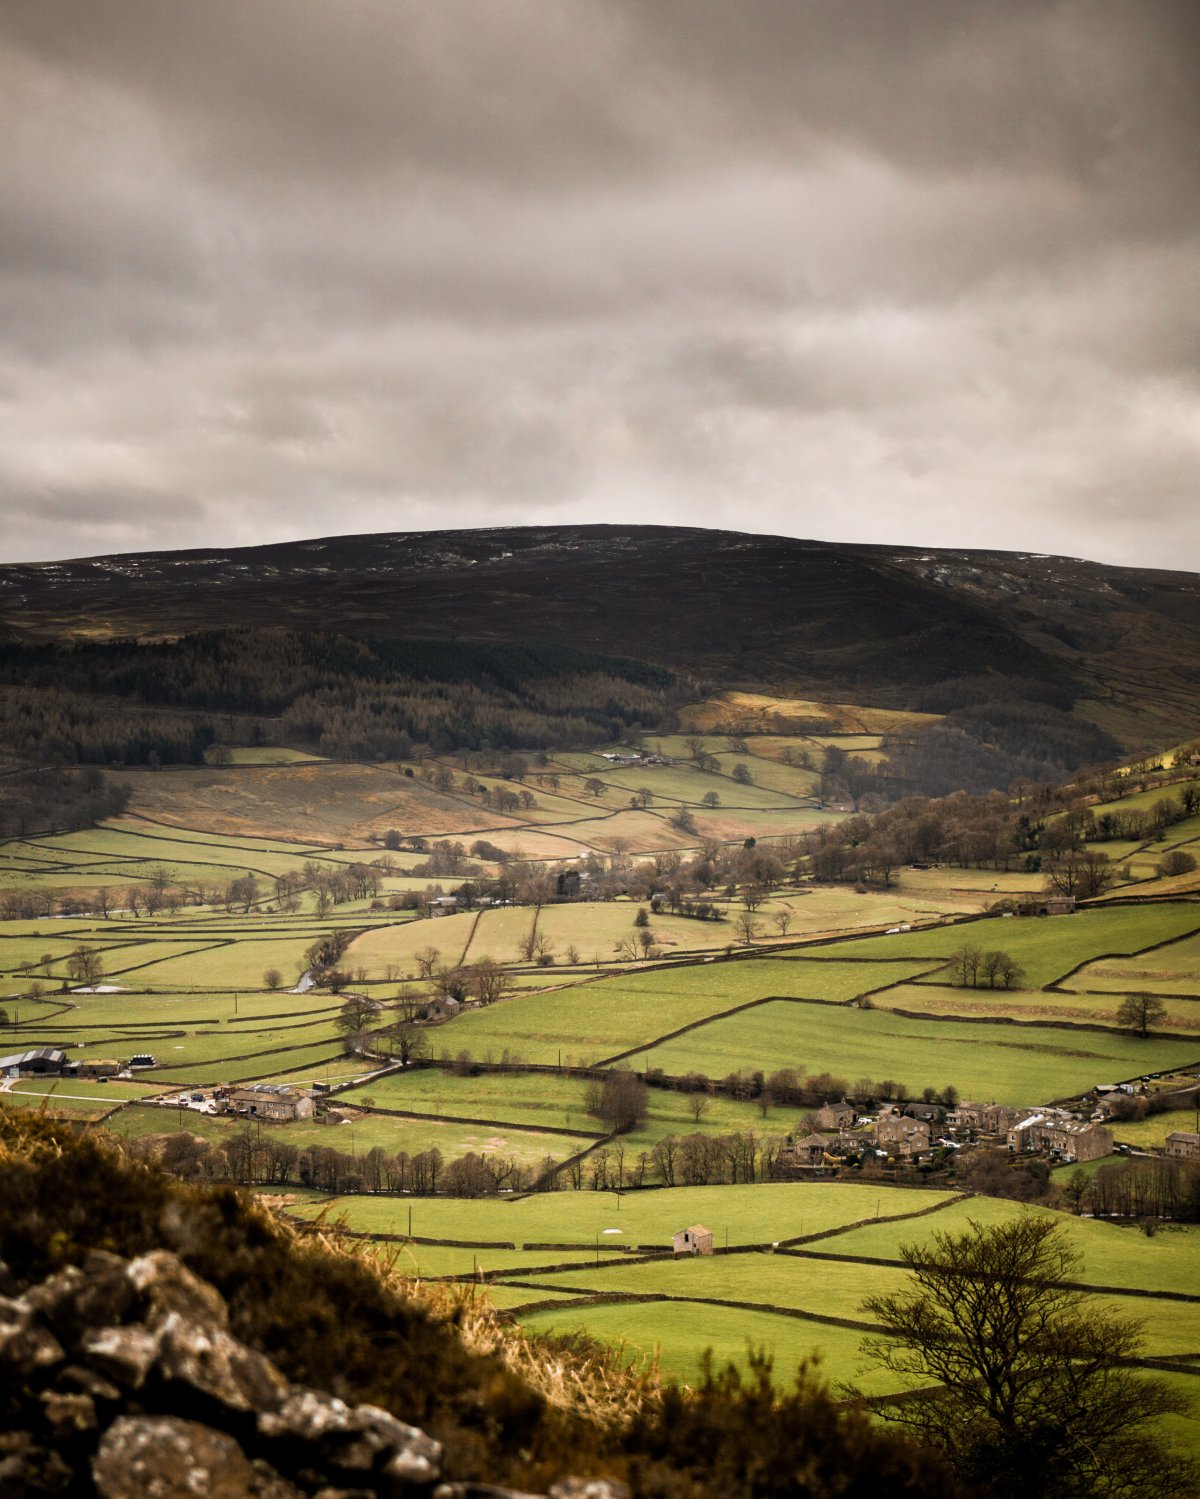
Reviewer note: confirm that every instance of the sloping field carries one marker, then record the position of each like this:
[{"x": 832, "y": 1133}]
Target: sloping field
[
  {"x": 753, "y": 712},
  {"x": 750, "y": 1214},
  {"x": 1030, "y": 1004},
  {"x": 982, "y": 1060},
  {"x": 318, "y": 802},
  {"x": 397, "y": 944},
  {"x": 1047, "y": 947},
  {"x": 1174, "y": 969},
  {"x": 591, "y": 1021}
]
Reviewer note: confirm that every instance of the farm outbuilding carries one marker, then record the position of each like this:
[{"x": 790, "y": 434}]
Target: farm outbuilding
[
  {"x": 694, "y": 1240},
  {"x": 41, "y": 1062}
]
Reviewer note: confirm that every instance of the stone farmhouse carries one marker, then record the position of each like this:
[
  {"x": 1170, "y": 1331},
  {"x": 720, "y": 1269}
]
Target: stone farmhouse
[
  {"x": 277, "y": 1102},
  {"x": 836, "y": 1115}
]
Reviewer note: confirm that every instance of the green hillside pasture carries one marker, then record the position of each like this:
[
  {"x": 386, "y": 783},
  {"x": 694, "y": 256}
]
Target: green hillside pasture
[
  {"x": 231, "y": 965},
  {"x": 128, "y": 851},
  {"x": 142, "y": 825},
  {"x": 1174, "y": 969},
  {"x": 560, "y": 842},
  {"x": 548, "y": 1101},
  {"x": 1112, "y": 1255},
  {"x": 1144, "y": 801},
  {"x": 138, "y": 958},
  {"x": 639, "y": 832},
  {"x": 596, "y": 928},
  {"x": 320, "y": 1061},
  {"x": 1047, "y": 947},
  {"x": 25, "y": 953},
  {"x": 499, "y": 933},
  {"x": 592, "y": 1021},
  {"x": 828, "y": 1288},
  {"x": 1151, "y": 1133},
  {"x": 398, "y": 942},
  {"x": 364, "y": 1133},
  {"x": 523, "y": 1098},
  {"x": 1030, "y": 1004},
  {"x": 85, "y": 1089},
  {"x": 675, "y": 1335},
  {"x": 35, "y": 856},
  {"x": 982, "y": 1060},
  {"x": 729, "y": 824},
  {"x": 549, "y": 806},
  {"x": 750, "y": 1214},
  {"x": 684, "y": 784},
  {"x": 191, "y": 1009}
]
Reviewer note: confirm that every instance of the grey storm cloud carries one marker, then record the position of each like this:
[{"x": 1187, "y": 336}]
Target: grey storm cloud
[{"x": 920, "y": 273}]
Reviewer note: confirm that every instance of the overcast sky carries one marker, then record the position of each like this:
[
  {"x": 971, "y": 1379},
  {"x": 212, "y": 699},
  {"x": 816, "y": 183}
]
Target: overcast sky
[{"x": 912, "y": 271}]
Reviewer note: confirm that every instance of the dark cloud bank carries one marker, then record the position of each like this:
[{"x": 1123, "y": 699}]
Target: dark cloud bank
[{"x": 924, "y": 272}]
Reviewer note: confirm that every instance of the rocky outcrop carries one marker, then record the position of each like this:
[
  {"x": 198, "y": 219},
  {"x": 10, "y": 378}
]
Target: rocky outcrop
[{"x": 122, "y": 1380}]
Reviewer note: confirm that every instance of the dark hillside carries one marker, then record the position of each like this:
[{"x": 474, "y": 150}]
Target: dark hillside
[{"x": 867, "y": 624}]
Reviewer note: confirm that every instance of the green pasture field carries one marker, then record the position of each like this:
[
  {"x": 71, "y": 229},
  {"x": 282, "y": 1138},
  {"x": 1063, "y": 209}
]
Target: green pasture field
[
  {"x": 1173, "y": 969},
  {"x": 730, "y": 823},
  {"x": 192, "y": 1009},
  {"x": 364, "y": 1133},
  {"x": 641, "y": 832},
  {"x": 773, "y": 775},
  {"x": 684, "y": 783},
  {"x": 1143, "y": 801},
  {"x": 503, "y": 1297},
  {"x": 592, "y": 1021},
  {"x": 310, "y": 1061},
  {"x": 594, "y": 927},
  {"x": 524, "y": 1098},
  {"x": 828, "y": 1287},
  {"x": 399, "y": 941},
  {"x": 84, "y": 1088},
  {"x": 232, "y": 965},
  {"x": 674, "y": 1336},
  {"x": 750, "y": 1214},
  {"x": 1113, "y": 1255},
  {"x": 548, "y": 1101},
  {"x": 143, "y": 825},
  {"x": 1151, "y": 1132},
  {"x": 1030, "y": 1004},
  {"x": 77, "y": 1110},
  {"x": 162, "y": 849},
  {"x": 1047, "y": 947},
  {"x": 982, "y": 1060}
]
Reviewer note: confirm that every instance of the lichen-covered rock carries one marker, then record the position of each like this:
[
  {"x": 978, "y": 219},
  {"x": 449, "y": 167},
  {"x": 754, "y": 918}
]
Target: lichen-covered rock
[
  {"x": 166, "y": 1457},
  {"x": 27, "y": 1347},
  {"x": 588, "y": 1488},
  {"x": 166, "y": 1285},
  {"x": 214, "y": 1364},
  {"x": 124, "y": 1354},
  {"x": 312, "y": 1430}
]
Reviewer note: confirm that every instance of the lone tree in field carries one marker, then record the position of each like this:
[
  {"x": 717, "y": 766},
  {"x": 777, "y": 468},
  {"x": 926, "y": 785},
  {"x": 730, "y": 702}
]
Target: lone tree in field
[
  {"x": 621, "y": 1099},
  {"x": 85, "y": 966},
  {"x": 1138, "y": 1012},
  {"x": 1037, "y": 1399}
]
